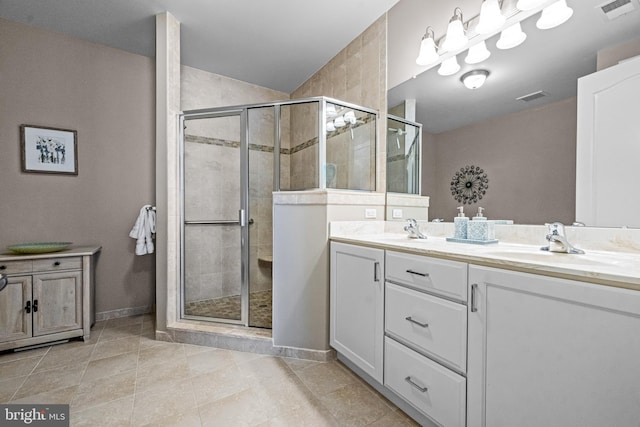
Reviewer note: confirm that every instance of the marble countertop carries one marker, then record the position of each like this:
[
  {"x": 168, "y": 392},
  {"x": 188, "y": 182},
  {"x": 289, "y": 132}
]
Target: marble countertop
[{"x": 620, "y": 269}]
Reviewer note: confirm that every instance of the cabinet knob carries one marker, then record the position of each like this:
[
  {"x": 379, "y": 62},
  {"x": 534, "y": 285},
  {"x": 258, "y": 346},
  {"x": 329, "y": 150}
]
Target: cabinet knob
[
  {"x": 35, "y": 305},
  {"x": 28, "y": 307},
  {"x": 57, "y": 263},
  {"x": 3, "y": 267}
]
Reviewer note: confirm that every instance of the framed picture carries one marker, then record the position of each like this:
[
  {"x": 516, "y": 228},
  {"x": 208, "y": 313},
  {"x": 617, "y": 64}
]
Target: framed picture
[{"x": 49, "y": 150}]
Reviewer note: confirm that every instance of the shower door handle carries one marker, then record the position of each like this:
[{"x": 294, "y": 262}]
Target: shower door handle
[{"x": 242, "y": 218}]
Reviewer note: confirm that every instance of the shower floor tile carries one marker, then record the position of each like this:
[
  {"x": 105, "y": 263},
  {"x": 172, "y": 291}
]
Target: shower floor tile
[{"x": 229, "y": 308}]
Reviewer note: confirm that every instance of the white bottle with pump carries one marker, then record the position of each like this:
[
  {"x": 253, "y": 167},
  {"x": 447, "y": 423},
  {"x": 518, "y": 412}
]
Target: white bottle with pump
[{"x": 460, "y": 223}]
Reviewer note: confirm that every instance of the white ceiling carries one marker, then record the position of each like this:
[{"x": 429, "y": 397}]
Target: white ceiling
[
  {"x": 549, "y": 60},
  {"x": 277, "y": 44}
]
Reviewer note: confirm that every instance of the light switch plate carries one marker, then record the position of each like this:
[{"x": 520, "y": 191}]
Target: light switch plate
[
  {"x": 396, "y": 213},
  {"x": 370, "y": 213}
]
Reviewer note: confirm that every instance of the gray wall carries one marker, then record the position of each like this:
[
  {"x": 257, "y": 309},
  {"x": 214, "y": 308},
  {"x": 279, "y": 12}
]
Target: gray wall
[
  {"x": 107, "y": 95},
  {"x": 529, "y": 157}
]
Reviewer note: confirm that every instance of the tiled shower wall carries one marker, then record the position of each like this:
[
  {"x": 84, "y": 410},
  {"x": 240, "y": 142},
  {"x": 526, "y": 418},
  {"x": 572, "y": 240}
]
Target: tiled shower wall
[
  {"x": 358, "y": 75},
  {"x": 303, "y": 154}
]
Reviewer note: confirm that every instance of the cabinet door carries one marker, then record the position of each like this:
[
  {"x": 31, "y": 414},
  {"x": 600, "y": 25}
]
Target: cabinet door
[
  {"x": 57, "y": 301},
  {"x": 608, "y": 146},
  {"x": 356, "y": 310},
  {"x": 551, "y": 352},
  {"x": 15, "y": 322}
]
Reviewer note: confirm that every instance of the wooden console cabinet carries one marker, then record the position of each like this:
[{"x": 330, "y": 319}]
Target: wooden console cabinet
[{"x": 49, "y": 297}]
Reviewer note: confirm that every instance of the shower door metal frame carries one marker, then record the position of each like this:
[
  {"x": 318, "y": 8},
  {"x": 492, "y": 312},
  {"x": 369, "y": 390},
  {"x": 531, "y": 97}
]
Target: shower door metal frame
[
  {"x": 417, "y": 125},
  {"x": 243, "y": 213}
]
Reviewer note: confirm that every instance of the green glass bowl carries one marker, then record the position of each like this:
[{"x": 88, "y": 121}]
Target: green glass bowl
[{"x": 38, "y": 247}]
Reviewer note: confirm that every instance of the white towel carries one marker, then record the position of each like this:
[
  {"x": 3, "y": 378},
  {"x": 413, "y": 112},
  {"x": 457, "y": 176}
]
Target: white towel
[{"x": 144, "y": 230}]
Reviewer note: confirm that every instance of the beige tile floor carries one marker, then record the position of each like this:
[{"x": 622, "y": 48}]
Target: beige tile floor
[{"x": 123, "y": 377}]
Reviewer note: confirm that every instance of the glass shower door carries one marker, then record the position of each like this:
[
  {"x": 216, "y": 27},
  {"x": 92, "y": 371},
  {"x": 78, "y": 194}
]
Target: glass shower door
[{"x": 214, "y": 222}]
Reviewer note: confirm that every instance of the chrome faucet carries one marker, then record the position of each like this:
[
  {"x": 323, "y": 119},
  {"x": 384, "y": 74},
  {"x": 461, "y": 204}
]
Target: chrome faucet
[
  {"x": 558, "y": 240},
  {"x": 413, "y": 229}
]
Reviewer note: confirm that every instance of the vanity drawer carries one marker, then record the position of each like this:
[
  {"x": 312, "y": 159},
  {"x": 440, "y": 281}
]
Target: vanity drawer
[
  {"x": 433, "y": 325},
  {"x": 16, "y": 267},
  {"x": 431, "y": 388},
  {"x": 52, "y": 264},
  {"x": 437, "y": 276}
]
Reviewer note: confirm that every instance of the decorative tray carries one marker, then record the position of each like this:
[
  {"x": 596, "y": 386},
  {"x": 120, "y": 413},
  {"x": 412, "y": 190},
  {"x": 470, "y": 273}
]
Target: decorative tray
[{"x": 38, "y": 247}]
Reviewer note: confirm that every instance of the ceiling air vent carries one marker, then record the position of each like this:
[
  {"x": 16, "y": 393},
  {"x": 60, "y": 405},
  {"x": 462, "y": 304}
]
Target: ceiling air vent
[
  {"x": 616, "y": 8},
  {"x": 532, "y": 96}
]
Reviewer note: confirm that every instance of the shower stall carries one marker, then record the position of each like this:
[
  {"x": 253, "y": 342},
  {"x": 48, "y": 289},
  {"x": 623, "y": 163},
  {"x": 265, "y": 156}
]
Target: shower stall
[
  {"x": 404, "y": 141},
  {"x": 231, "y": 161}
]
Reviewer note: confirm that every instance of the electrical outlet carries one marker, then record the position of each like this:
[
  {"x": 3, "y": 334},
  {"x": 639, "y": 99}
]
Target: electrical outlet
[
  {"x": 396, "y": 213},
  {"x": 370, "y": 213}
]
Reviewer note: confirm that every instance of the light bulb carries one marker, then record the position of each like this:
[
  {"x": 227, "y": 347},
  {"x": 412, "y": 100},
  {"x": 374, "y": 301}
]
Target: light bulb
[
  {"x": 511, "y": 37},
  {"x": 477, "y": 53},
  {"x": 491, "y": 18},
  {"x": 449, "y": 66},
  {"x": 428, "y": 54},
  {"x": 455, "y": 37},
  {"x": 553, "y": 15},
  {"x": 350, "y": 117}
]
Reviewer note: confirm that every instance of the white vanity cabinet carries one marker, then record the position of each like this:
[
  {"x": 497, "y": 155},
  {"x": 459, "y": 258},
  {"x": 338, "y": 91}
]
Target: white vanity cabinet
[
  {"x": 426, "y": 335},
  {"x": 356, "y": 306},
  {"x": 48, "y": 297},
  {"x": 551, "y": 352}
]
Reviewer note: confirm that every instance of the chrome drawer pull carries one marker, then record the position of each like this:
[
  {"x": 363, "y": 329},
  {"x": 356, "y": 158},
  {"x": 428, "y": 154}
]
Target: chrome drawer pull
[
  {"x": 410, "y": 381},
  {"x": 424, "y": 325},
  {"x": 417, "y": 273}
]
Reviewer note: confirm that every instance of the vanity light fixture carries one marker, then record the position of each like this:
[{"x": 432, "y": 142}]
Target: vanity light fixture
[
  {"x": 487, "y": 23},
  {"x": 529, "y": 4},
  {"x": 449, "y": 67},
  {"x": 553, "y": 15},
  {"x": 455, "y": 37},
  {"x": 491, "y": 18},
  {"x": 511, "y": 37},
  {"x": 477, "y": 53},
  {"x": 474, "y": 78},
  {"x": 428, "y": 51}
]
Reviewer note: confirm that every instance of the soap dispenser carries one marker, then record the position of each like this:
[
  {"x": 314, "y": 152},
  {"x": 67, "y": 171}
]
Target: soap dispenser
[
  {"x": 481, "y": 229},
  {"x": 479, "y": 216},
  {"x": 460, "y": 224}
]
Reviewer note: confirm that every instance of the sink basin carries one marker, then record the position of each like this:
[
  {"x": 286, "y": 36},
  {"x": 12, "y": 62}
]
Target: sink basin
[{"x": 554, "y": 257}]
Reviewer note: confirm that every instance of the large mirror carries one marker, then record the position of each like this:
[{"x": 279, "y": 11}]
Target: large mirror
[{"x": 525, "y": 147}]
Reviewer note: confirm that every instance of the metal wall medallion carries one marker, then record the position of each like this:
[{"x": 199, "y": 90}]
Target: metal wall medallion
[{"x": 469, "y": 184}]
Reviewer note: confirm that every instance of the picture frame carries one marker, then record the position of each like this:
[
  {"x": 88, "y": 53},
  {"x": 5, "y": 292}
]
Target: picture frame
[{"x": 49, "y": 150}]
